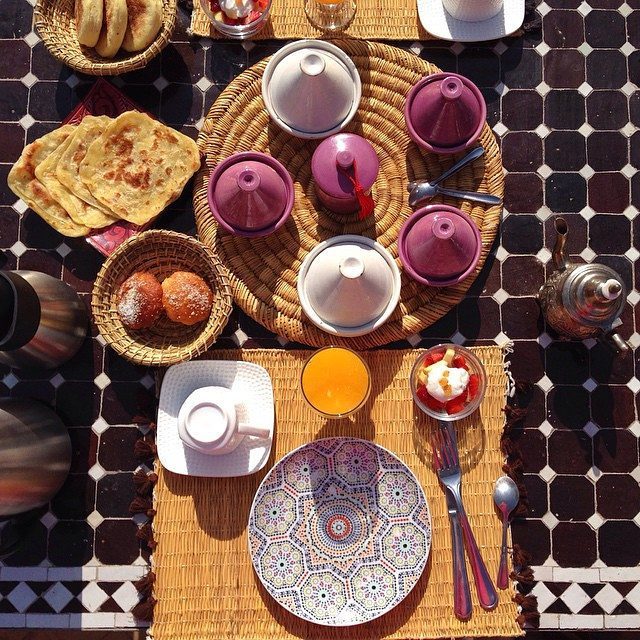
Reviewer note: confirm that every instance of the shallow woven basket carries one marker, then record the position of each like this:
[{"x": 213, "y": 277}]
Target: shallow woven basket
[
  {"x": 56, "y": 25},
  {"x": 161, "y": 253},
  {"x": 264, "y": 271}
]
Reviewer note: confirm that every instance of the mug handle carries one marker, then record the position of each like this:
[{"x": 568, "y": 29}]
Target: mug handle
[{"x": 249, "y": 430}]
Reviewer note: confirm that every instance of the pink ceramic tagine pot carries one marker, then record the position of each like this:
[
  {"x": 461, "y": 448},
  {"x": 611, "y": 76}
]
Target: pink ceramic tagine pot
[
  {"x": 344, "y": 168},
  {"x": 439, "y": 245},
  {"x": 445, "y": 113},
  {"x": 250, "y": 194}
]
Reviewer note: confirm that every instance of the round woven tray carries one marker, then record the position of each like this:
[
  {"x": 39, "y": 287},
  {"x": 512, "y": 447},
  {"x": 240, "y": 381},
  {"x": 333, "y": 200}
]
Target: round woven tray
[
  {"x": 263, "y": 271},
  {"x": 161, "y": 253},
  {"x": 56, "y": 25}
]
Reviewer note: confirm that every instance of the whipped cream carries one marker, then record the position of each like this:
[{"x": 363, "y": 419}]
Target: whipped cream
[
  {"x": 445, "y": 383},
  {"x": 236, "y": 8}
]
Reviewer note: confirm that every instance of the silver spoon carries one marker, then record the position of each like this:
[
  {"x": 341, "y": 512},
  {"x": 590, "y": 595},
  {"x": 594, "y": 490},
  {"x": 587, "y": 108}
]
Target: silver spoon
[
  {"x": 426, "y": 191},
  {"x": 505, "y": 496}
]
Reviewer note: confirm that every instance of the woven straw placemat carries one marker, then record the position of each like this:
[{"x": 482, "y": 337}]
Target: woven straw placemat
[
  {"x": 288, "y": 21},
  {"x": 263, "y": 271},
  {"x": 205, "y": 585}
]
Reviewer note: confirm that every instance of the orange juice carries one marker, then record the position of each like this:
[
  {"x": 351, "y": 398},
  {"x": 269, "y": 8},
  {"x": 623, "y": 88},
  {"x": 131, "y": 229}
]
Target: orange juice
[{"x": 335, "y": 381}]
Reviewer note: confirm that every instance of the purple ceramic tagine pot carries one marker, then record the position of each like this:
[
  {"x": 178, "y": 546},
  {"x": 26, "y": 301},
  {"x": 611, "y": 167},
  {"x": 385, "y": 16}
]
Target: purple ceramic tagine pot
[
  {"x": 250, "y": 194},
  {"x": 445, "y": 113},
  {"x": 439, "y": 245},
  {"x": 344, "y": 168}
]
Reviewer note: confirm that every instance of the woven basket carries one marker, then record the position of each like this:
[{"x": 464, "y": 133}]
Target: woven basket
[
  {"x": 161, "y": 253},
  {"x": 56, "y": 25}
]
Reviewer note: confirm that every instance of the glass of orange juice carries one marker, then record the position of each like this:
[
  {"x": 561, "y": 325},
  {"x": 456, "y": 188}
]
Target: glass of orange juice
[
  {"x": 330, "y": 15},
  {"x": 336, "y": 382}
]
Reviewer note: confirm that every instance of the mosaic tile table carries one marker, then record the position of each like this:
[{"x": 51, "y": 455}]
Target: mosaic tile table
[{"x": 566, "y": 105}]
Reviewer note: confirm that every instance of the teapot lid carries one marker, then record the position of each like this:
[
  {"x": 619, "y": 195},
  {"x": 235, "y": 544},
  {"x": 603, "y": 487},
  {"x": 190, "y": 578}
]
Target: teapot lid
[{"x": 594, "y": 295}]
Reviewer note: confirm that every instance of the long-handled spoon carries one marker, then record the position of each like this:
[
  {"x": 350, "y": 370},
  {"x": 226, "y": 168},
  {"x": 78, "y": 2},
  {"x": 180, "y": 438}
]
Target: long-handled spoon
[
  {"x": 427, "y": 191},
  {"x": 506, "y": 496}
]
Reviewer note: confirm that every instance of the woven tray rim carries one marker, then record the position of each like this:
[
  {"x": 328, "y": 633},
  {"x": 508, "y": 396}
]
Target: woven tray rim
[
  {"x": 303, "y": 331},
  {"x": 55, "y": 24},
  {"x": 124, "y": 261}
]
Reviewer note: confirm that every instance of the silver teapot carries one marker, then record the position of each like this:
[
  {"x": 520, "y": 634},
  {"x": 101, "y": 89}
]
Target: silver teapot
[{"x": 582, "y": 300}]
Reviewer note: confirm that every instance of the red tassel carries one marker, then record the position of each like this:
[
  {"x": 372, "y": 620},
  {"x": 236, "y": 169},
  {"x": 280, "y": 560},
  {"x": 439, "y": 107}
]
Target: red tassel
[
  {"x": 144, "y": 609},
  {"x": 524, "y": 576},
  {"x": 144, "y": 482},
  {"x": 514, "y": 414},
  {"x": 523, "y": 386},
  {"x": 366, "y": 203},
  {"x": 145, "y": 584},
  {"x": 144, "y": 448},
  {"x": 145, "y": 533},
  {"x": 142, "y": 505}
]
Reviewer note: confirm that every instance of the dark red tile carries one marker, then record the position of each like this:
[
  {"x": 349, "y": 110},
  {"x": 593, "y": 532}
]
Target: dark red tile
[
  {"x": 86, "y": 364},
  {"x": 115, "y": 493},
  {"x": 116, "y": 542},
  {"x": 9, "y": 226},
  {"x": 568, "y": 407},
  {"x": 607, "y": 367},
  {"x": 37, "y": 234},
  {"x": 73, "y": 412},
  {"x": 117, "y": 368},
  {"x": 522, "y": 275},
  {"x": 49, "y": 262},
  {"x": 606, "y": 69},
  {"x": 12, "y": 135},
  {"x": 521, "y": 151},
  {"x": 605, "y": 29},
  {"x": 618, "y": 496},
  {"x": 13, "y": 101},
  {"x": 527, "y": 361},
  {"x": 51, "y": 101},
  {"x": 564, "y": 4},
  {"x": 521, "y": 318},
  {"x": 570, "y": 452},
  {"x": 15, "y": 19},
  {"x": 574, "y": 544},
  {"x": 566, "y": 192},
  {"x": 534, "y": 401},
  {"x": 70, "y": 543},
  {"x": 623, "y": 267},
  {"x": 559, "y": 606},
  {"x": 607, "y": 233},
  {"x": 76, "y": 499},
  {"x": 563, "y": 29},
  {"x": 45, "y": 67},
  {"x": 607, "y": 110},
  {"x": 572, "y": 498},
  {"x": 521, "y": 110},
  {"x": 612, "y": 552},
  {"x": 116, "y": 448},
  {"x": 612, "y": 406},
  {"x": 567, "y": 362},
  {"x": 522, "y": 234},
  {"x": 479, "y": 318},
  {"x": 84, "y": 446},
  {"x": 445, "y": 327},
  {"x": 122, "y": 400},
  {"x": 565, "y": 151},
  {"x": 537, "y": 500},
  {"x": 81, "y": 267},
  {"x": 609, "y": 192},
  {"x": 534, "y": 537},
  {"x": 523, "y": 192},
  {"x": 145, "y": 95},
  {"x": 533, "y": 446},
  {"x": 633, "y": 28},
  {"x": 33, "y": 549},
  {"x": 607, "y": 150},
  {"x": 183, "y": 62},
  {"x": 521, "y": 68},
  {"x": 145, "y": 75},
  {"x": 564, "y": 68},
  {"x": 564, "y": 109},
  {"x": 481, "y": 65},
  {"x": 181, "y": 104},
  {"x": 616, "y": 451},
  {"x": 35, "y": 390}
]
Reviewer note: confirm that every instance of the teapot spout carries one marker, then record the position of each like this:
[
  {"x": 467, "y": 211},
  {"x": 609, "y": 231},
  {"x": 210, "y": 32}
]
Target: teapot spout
[{"x": 559, "y": 255}]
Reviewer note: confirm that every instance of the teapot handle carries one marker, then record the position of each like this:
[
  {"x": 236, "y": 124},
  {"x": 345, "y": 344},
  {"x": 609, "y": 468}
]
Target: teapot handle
[{"x": 616, "y": 343}]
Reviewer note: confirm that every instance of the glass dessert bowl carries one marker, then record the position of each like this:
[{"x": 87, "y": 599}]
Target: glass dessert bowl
[
  {"x": 448, "y": 382},
  {"x": 239, "y": 19}
]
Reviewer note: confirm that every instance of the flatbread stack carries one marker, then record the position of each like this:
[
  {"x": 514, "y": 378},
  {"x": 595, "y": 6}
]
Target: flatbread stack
[
  {"x": 108, "y": 25},
  {"x": 88, "y": 176}
]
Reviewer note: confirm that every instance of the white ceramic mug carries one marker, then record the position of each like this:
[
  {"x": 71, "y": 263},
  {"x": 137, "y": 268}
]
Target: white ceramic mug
[
  {"x": 208, "y": 422},
  {"x": 472, "y": 10}
]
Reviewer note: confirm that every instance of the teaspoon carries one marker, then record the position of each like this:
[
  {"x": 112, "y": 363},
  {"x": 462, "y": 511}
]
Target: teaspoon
[{"x": 505, "y": 496}]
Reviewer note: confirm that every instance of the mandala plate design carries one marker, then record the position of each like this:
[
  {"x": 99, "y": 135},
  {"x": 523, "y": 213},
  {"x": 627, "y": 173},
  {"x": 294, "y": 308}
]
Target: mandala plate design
[{"x": 339, "y": 531}]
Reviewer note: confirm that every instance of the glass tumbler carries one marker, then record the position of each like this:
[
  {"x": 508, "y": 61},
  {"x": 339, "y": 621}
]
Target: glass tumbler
[{"x": 330, "y": 16}]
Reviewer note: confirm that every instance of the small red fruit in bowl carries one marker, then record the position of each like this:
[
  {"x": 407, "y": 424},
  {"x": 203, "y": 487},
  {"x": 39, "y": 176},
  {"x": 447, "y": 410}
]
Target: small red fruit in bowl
[{"x": 448, "y": 382}]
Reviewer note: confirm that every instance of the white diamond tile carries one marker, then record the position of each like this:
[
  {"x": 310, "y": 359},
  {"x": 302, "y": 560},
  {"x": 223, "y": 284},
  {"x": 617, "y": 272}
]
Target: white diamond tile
[
  {"x": 18, "y": 248},
  {"x": 58, "y": 596},
  {"x": 629, "y": 88},
  {"x": 547, "y": 473},
  {"x": 589, "y": 342},
  {"x": 160, "y": 84},
  {"x": 457, "y": 48},
  {"x": 545, "y": 383},
  {"x": 239, "y": 337},
  {"x": 458, "y": 338},
  {"x": 542, "y": 130},
  {"x": 584, "y": 9},
  {"x": 29, "y": 80},
  {"x": 31, "y": 39},
  {"x": 586, "y": 171},
  {"x": 416, "y": 47},
  {"x": 500, "y": 296},
  {"x": 48, "y": 520},
  {"x": 543, "y": 8},
  {"x": 627, "y": 49},
  {"x": 546, "y": 428},
  {"x": 588, "y": 254},
  {"x": 633, "y": 597},
  {"x": 544, "y": 596},
  {"x": 550, "y": 520},
  {"x": 628, "y": 171},
  {"x": 248, "y": 45},
  {"x": 501, "y": 88},
  {"x": 501, "y": 47},
  {"x": 22, "y": 597},
  {"x": 100, "y": 426},
  {"x": 545, "y": 171},
  {"x": 633, "y": 254},
  {"x": 544, "y": 255},
  {"x": 97, "y": 472},
  {"x": 634, "y": 427},
  {"x": 126, "y": 596},
  {"x": 625, "y": 10},
  {"x": 414, "y": 339},
  {"x": 594, "y": 474},
  {"x": 10, "y": 381},
  {"x": 544, "y": 340},
  {"x": 585, "y": 89},
  {"x": 630, "y": 212},
  {"x": 586, "y": 130},
  {"x": 590, "y": 384},
  {"x": 634, "y": 384},
  {"x": 591, "y": 428},
  {"x": 502, "y": 339},
  {"x": 543, "y": 48},
  {"x": 608, "y": 598},
  {"x": 585, "y": 49},
  {"x": 95, "y": 519},
  {"x": 543, "y": 88},
  {"x": 587, "y": 213},
  {"x": 501, "y": 254},
  {"x": 575, "y": 598},
  {"x": 72, "y": 81},
  {"x": 595, "y": 521},
  {"x": 92, "y": 596},
  {"x": 499, "y": 129},
  {"x": 63, "y": 250},
  {"x": 199, "y": 124},
  {"x": 56, "y": 381},
  {"x": 147, "y": 381},
  {"x": 204, "y": 84},
  {"x": 101, "y": 341},
  {"x": 543, "y": 213},
  {"x": 628, "y": 129},
  {"x": 102, "y": 381}
]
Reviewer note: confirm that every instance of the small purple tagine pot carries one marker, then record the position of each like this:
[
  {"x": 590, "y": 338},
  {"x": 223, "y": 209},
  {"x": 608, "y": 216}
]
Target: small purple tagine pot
[
  {"x": 439, "y": 245},
  {"x": 445, "y": 113},
  {"x": 250, "y": 194}
]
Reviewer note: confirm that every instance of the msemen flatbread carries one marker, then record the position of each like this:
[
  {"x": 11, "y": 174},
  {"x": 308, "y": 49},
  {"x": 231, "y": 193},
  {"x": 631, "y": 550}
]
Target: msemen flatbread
[
  {"x": 88, "y": 21},
  {"x": 80, "y": 212},
  {"x": 138, "y": 166},
  {"x": 113, "y": 27},
  {"x": 68, "y": 167},
  {"x": 145, "y": 20},
  {"x": 23, "y": 182}
]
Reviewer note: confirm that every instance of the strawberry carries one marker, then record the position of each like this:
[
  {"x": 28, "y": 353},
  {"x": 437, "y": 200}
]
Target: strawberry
[
  {"x": 474, "y": 385},
  {"x": 456, "y": 405},
  {"x": 261, "y": 5},
  {"x": 428, "y": 399},
  {"x": 251, "y": 16},
  {"x": 437, "y": 356},
  {"x": 428, "y": 360},
  {"x": 460, "y": 362}
]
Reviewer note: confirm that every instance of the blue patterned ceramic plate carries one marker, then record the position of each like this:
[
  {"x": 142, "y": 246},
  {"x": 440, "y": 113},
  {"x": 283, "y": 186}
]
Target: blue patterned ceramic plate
[{"x": 339, "y": 531}]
